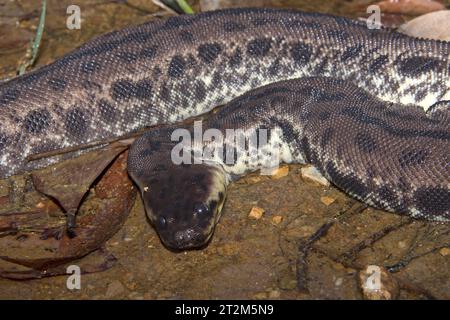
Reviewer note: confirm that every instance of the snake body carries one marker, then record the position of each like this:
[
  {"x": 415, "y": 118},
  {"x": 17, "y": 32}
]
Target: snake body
[{"x": 394, "y": 157}]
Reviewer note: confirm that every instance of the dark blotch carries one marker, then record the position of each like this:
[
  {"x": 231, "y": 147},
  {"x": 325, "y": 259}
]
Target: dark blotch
[
  {"x": 90, "y": 66},
  {"x": 4, "y": 141},
  {"x": 199, "y": 91},
  {"x": 351, "y": 52},
  {"x": 176, "y": 22},
  {"x": 186, "y": 36},
  {"x": 275, "y": 67},
  {"x": 176, "y": 67},
  {"x": 236, "y": 58},
  {"x": 57, "y": 84},
  {"x": 417, "y": 65},
  {"x": 306, "y": 149},
  {"x": 10, "y": 95},
  {"x": 289, "y": 133},
  {"x": 365, "y": 142},
  {"x": 123, "y": 90},
  {"x": 127, "y": 56},
  {"x": 107, "y": 111},
  {"x": 386, "y": 194},
  {"x": 347, "y": 182},
  {"x": 301, "y": 53},
  {"x": 324, "y": 115},
  {"x": 144, "y": 89},
  {"x": 146, "y": 153},
  {"x": 412, "y": 157},
  {"x": 378, "y": 63},
  {"x": 208, "y": 52},
  {"x": 259, "y": 47},
  {"x": 165, "y": 93},
  {"x": 433, "y": 201},
  {"x": 339, "y": 34},
  {"x": 76, "y": 123},
  {"x": 232, "y": 26},
  {"x": 148, "y": 52},
  {"x": 37, "y": 121}
]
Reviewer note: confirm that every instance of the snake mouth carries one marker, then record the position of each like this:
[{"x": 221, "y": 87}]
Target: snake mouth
[{"x": 189, "y": 239}]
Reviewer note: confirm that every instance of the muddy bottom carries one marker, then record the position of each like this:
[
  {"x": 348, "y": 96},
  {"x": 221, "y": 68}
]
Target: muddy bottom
[{"x": 250, "y": 257}]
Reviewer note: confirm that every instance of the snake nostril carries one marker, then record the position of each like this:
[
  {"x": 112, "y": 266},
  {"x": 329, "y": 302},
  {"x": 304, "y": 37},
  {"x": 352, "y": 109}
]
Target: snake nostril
[
  {"x": 181, "y": 236},
  {"x": 185, "y": 237}
]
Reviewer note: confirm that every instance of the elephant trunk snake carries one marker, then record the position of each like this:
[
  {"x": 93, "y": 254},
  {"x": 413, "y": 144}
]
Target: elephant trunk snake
[{"x": 368, "y": 108}]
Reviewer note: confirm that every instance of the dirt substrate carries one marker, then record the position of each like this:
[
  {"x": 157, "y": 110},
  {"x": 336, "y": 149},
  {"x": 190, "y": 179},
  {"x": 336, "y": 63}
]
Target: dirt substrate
[{"x": 272, "y": 257}]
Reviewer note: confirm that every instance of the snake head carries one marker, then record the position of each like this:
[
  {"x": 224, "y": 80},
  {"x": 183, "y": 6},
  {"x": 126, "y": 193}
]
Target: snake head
[{"x": 183, "y": 202}]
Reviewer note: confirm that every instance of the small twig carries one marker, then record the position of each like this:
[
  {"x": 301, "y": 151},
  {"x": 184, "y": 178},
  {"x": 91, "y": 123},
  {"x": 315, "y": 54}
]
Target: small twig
[
  {"x": 124, "y": 139},
  {"x": 351, "y": 254},
  {"x": 303, "y": 251}
]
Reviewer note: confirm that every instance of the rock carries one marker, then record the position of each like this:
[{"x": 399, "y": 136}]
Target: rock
[
  {"x": 274, "y": 294},
  {"x": 40, "y": 205},
  {"x": 327, "y": 200},
  {"x": 402, "y": 244},
  {"x": 114, "y": 289},
  {"x": 260, "y": 296},
  {"x": 378, "y": 284},
  {"x": 444, "y": 252},
  {"x": 277, "y": 219},
  {"x": 311, "y": 173},
  {"x": 256, "y": 213},
  {"x": 280, "y": 172}
]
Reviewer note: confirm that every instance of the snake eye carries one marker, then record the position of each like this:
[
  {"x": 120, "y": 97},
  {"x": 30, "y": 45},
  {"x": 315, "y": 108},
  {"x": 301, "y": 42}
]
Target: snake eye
[
  {"x": 201, "y": 208},
  {"x": 162, "y": 222}
]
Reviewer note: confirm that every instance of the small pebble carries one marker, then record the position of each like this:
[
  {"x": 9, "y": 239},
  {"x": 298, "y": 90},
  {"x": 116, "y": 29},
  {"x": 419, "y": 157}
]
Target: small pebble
[
  {"x": 260, "y": 296},
  {"x": 277, "y": 219},
  {"x": 311, "y": 173},
  {"x": 444, "y": 252},
  {"x": 114, "y": 289},
  {"x": 327, "y": 200},
  {"x": 40, "y": 205},
  {"x": 256, "y": 213},
  {"x": 402, "y": 244},
  {"x": 274, "y": 294},
  {"x": 253, "y": 179},
  {"x": 280, "y": 172}
]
